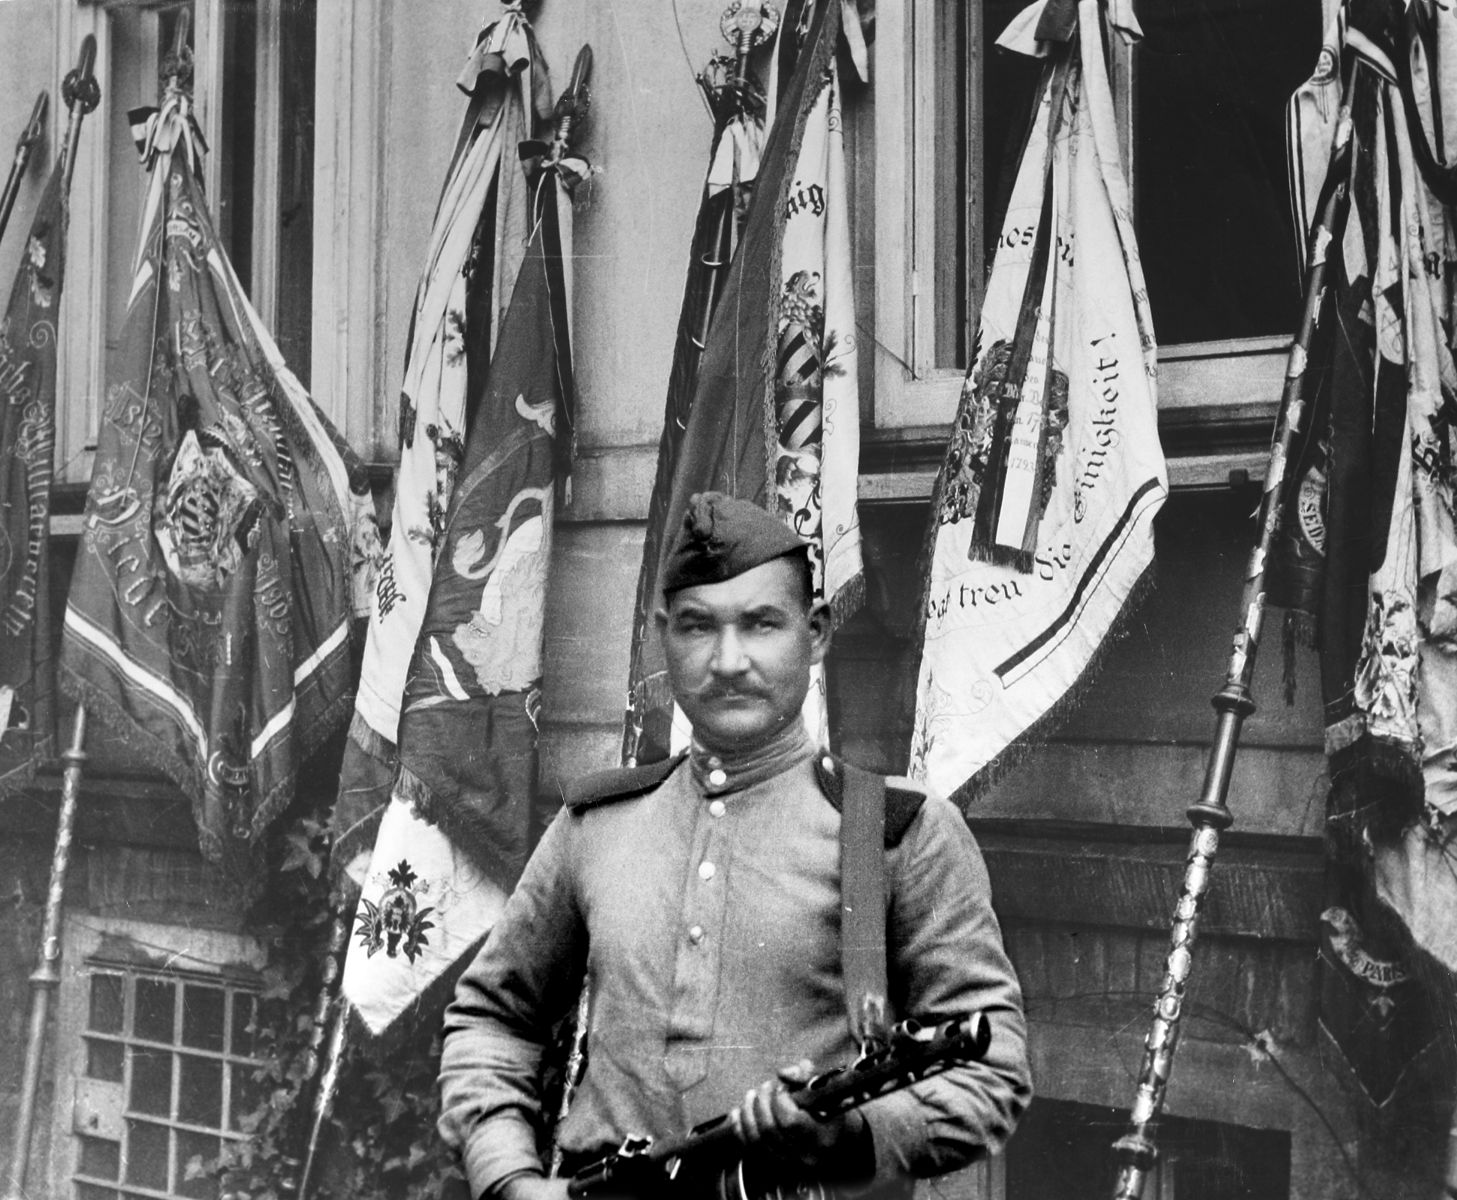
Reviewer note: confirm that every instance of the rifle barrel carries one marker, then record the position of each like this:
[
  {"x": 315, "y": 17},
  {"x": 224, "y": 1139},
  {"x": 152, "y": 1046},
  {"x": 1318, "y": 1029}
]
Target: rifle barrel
[{"x": 914, "y": 1054}]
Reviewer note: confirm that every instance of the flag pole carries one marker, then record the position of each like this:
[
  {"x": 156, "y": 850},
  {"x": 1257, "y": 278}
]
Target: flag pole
[
  {"x": 329, "y": 1014},
  {"x": 1136, "y": 1150},
  {"x": 47, "y": 974},
  {"x": 28, "y": 138},
  {"x": 81, "y": 94},
  {"x": 746, "y": 28}
]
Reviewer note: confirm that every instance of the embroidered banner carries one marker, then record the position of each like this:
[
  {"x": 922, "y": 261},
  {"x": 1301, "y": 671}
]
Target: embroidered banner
[
  {"x": 27, "y": 450},
  {"x": 208, "y": 617},
  {"x": 733, "y": 167},
  {"x": 1042, "y": 520},
  {"x": 459, "y": 825},
  {"x": 775, "y": 416},
  {"x": 471, "y": 263}
]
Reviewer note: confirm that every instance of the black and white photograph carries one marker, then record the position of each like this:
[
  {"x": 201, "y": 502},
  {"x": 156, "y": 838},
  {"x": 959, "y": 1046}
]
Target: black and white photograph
[{"x": 728, "y": 600}]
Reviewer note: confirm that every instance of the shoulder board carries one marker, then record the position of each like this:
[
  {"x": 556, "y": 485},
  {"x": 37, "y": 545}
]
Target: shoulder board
[
  {"x": 617, "y": 783},
  {"x": 903, "y": 797}
]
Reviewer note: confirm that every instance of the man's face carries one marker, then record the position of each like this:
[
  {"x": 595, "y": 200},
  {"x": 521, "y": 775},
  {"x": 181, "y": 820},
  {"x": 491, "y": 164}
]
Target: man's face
[{"x": 739, "y": 653}]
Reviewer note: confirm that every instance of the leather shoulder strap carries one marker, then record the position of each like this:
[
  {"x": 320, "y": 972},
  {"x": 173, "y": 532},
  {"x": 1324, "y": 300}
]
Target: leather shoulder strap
[
  {"x": 617, "y": 783},
  {"x": 862, "y": 899},
  {"x": 903, "y": 797}
]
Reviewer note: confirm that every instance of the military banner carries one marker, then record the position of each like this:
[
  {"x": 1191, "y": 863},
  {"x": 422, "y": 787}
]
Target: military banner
[
  {"x": 208, "y": 618},
  {"x": 470, "y": 266},
  {"x": 775, "y": 414},
  {"x": 738, "y": 142},
  {"x": 1042, "y": 519},
  {"x": 456, "y": 834},
  {"x": 27, "y": 451}
]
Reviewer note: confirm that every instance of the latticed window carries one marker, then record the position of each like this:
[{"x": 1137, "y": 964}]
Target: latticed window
[{"x": 167, "y": 1078}]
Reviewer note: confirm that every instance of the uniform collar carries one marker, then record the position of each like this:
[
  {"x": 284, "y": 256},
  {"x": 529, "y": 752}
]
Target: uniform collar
[{"x": 719, "y": 774}]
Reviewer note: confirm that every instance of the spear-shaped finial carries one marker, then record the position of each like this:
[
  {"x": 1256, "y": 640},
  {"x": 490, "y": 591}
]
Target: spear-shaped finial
[
  {"x": 176, "y": 71},
  {"x": 82, "y": 94},
  {"x": 29, "y": 136}
]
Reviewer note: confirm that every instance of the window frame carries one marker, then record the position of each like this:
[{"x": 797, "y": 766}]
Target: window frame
[
  {"x": 1218, "y": 398},
  {"x": 82, "y": 350},
  {"x": 228, "y": 958}
]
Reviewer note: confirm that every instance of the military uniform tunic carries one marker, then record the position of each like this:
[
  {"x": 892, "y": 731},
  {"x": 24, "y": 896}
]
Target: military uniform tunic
[{"x": 707, "y": 914}]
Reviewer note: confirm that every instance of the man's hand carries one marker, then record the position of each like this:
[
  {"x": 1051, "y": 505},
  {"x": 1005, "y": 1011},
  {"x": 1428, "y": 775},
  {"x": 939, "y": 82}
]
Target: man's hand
[
  {"x": 532, "y": 1187},
  {"x": 770, "y": 1123}
]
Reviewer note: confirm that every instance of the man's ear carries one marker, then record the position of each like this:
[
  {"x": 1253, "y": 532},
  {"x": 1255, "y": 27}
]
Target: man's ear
[{"x": 819, "y": 630}]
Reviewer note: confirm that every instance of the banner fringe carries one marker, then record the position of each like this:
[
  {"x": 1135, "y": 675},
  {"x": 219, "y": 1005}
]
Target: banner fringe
[
  {"x": 1046, "y": 725},
  {"x": 471, "y": 832},
  {"x": 848, "y": 599},
  {"x": 371, "y": 741},
  {"x": 1021, "y": 561},
  {"x": 309, "y": 738},
  {"x": 422, "y": 1011}
]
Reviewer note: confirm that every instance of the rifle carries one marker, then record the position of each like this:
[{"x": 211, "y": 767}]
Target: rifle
[{"x": 910, "y": 1054}]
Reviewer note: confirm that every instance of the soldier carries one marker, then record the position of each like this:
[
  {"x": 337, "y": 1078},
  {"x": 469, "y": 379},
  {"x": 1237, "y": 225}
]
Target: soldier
[{"x": 703, "y": 898}]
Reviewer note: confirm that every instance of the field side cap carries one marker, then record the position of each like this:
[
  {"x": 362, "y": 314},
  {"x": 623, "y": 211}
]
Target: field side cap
[{"x": 723, "y": 537}]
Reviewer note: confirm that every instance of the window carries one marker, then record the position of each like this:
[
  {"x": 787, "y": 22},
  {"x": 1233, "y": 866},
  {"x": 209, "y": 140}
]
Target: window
[
  {"x": 254, "y": 93},
  {"x": 156, "y": 1031},
  {"x": 1201, "y": 111}
]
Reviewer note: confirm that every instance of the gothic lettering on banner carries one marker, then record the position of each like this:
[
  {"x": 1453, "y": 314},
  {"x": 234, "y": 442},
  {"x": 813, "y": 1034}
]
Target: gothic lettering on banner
[
  {"x": 208, "y": 619},
  {"x": 27, "y": 451},
  {"x": 1042, "y": 519}
]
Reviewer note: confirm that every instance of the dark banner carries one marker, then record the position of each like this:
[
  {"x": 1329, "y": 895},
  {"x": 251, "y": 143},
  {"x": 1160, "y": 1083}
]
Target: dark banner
[
  {"x": 729, "y": 432},
  {"x": 27, "y": 447},
  {"x": 209, "y": 611}
]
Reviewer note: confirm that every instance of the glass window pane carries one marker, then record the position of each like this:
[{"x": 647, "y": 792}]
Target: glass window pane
[
  {"x": 242, "y": 1041},
  {"x": 979, "y": 133},
  {"x": 106, "y": 1003},
  {"x": 202, "y": 1017},
  {"x": 245, "y": 1092},
  {"x": 104, "y": 1060},
  {"x": 89, "y": 1191},
  {"x": 200, "y": 1091},
  {"x": 100, "y": 1158},
  {"x": 153, "y": 1019},
  {"x": 196, "y": 1153},
  {"x": 294, "y": 325},
  {"x": 146, "y": 1155},
  {"x": 151, "y": 1090},
  {"x": 1214, "y": 229},
  {"x": 235, "y": 154}
]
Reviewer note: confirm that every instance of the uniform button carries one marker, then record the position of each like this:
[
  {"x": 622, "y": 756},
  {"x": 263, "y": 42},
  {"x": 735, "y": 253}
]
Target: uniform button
[
  {"x": 717, "y": 808},
  {"x": 695, "y": 935},
  {"x": 717, "y": 777},
  {"x": 705, "y": 871},
  {"x": 828, "y": 763}
]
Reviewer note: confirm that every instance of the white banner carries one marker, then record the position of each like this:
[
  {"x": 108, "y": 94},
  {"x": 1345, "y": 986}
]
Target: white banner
[
  {"x": 422, "y": 905},
  {"x": 1020, "y": 598}
]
